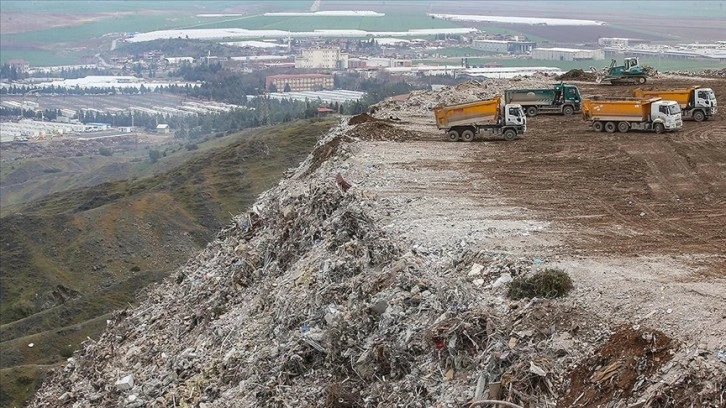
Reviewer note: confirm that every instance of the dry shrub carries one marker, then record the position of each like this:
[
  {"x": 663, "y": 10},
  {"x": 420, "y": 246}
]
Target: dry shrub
[{"x": 550, "y": 283}]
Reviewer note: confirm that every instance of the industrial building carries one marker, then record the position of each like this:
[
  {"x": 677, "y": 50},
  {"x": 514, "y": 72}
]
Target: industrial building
[
  {"x": 504, "y": 46},
  {"x": 299, "y": 82},
  {"x": 326, "y": 58},
  {"x": 714, "y": 52},
  {"x": 567, "y": 54},
  {"x": 619, "y": 42}
]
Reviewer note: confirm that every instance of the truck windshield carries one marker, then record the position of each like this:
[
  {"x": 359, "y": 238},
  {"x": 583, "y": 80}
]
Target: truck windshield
[
  {"x": 515, "y": 111},
  {"x": 674, "y": 109},
  {"x": 707, "y": 94},
  {"x": 573, "y": 94}
]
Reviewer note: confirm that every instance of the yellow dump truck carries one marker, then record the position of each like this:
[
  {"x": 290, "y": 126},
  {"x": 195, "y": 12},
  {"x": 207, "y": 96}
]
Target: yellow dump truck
[
  {"x": 464, "y": 121},
  {"x": 625, "y": 114},
  {"x": 696, "y": 103}
]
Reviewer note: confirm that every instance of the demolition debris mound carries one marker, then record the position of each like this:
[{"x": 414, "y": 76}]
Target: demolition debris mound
[
  {"x": 620, "y": 367},
  {"x": 367, "y": 277},
  {"x": 362, "y": 118},
  {"x": 577, "y": 74}
]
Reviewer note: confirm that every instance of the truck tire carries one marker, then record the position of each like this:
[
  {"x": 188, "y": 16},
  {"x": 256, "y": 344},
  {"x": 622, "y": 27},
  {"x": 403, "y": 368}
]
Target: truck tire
[
  {"x": 598, "y": 126},
  {"x": 568, "y": 110},
  {"x": 659, "y": 128},
  {"x": 610, "y": 127},
  {"x": 510, "y": 134},
  {"x": 452, "y": 135},
  {"x": 467, "y": 135},
  {"x": 699, "y": 116},
  {"x": 531, "y": 111},
  {"x": 623, "y": 127}
]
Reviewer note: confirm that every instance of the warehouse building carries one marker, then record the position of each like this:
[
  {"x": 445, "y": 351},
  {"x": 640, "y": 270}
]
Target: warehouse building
[
  {"x": 504, "y": 46},
  {"x": 567, "y": 54},
  {"x": 300, "y": 82}
]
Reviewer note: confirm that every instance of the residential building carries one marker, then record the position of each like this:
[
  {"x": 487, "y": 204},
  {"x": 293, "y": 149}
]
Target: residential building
[
  {"x": 327, "y": 58},
  {"x": 299, "y": 82}
]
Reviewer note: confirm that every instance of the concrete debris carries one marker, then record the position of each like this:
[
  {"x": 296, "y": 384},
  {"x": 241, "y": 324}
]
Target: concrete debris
[
  {"x": 319, "y": 298},
  {"x": 126, "y": 383}
]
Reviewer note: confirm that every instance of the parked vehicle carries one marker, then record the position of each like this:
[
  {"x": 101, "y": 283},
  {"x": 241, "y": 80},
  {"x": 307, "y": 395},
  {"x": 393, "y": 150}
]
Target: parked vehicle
[
  {"x": 630, "y": 72},
  {"x": 696, "y": 103},
  {"x": 560, "y": 98},
  {"x": 625, "y": 114},
  {"x": 464, "y": 121}
]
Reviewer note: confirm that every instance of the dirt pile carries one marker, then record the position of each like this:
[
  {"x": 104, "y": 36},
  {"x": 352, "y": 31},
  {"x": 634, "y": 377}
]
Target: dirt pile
[
  {"x": 379, "y": 295},
  {"x": 577, "y": 74}
]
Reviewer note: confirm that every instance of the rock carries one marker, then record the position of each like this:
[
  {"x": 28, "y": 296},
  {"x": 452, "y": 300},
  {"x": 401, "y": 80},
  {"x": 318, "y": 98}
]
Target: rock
[
  {"x": 476, "y": 269},
  {"x": 65, "y": 397},
  {"x": 125, "y": 383},
  {"x": 503, "y": 279},
  {"x": 379, "y": 307}
]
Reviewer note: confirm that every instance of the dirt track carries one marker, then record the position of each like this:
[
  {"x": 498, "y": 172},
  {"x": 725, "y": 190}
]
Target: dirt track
[{"x": 638, "y": 193}]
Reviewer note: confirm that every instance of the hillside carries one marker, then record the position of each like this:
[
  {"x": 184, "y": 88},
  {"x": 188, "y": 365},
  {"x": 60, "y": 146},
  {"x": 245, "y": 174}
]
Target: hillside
[
  {"x": 378, "y": 274},
  {"x": 72, "y": 257}
]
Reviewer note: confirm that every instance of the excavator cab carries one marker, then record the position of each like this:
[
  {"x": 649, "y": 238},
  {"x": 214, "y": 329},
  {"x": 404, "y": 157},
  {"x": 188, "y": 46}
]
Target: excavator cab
[{"x": 630, "y": 63}]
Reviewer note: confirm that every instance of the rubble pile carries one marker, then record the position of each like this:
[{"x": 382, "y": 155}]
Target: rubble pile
[
  {"x": 577, "y": 74},
  {"x": 421, "y": 103},
  {"x": 306, "y": 301},
  {"x": 708, "y": 73}
]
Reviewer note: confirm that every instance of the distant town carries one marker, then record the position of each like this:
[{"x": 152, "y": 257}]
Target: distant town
[{"x": 301, "y": 66}]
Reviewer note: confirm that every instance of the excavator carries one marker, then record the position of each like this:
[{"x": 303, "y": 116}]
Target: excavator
[{"x": 630, "y": 72}]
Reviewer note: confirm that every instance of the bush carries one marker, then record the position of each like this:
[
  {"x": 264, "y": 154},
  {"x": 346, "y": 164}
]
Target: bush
[
  {"x": 154, "y": 155},
  {"x": 550, "y": 283},
  {"x": 104, "y": 151}
]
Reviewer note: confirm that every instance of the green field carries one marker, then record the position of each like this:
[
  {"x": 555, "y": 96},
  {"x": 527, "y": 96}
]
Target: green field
[{"x": 388, "y": 22}]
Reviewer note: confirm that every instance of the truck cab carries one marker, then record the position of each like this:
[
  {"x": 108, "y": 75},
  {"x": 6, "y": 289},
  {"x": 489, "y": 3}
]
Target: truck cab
[
  {"x": 514, "y": 115},
  {"x": 668, "y": 113},
  {"x": 568, "y": 94},
  {"x": 704, "y": 98}
]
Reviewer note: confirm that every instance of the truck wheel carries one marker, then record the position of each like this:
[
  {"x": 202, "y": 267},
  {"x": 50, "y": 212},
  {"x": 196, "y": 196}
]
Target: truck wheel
[
  {"x": 510, "y": 134},
  {"x": 659, "y": 128},
  {"x": 641, "y": 80},
  {"x": 598, "y": 126},
  {"x": 568, "y": 110},
  {"x": 452, "y": 135},
  {"x": 610, "y": 127},
  {"x": 532, "y": 111},
  {"x": 623, "y": 127},
  {"x": 699, "y": 116},
  {"x": 467, "y": 135}
]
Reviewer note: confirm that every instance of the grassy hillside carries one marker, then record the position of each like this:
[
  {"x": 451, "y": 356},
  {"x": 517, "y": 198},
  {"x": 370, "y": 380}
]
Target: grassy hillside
[{"x": 71, "y": 257}]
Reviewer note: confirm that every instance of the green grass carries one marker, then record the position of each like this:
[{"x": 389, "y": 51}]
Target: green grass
[
  {"x": 40, "y": 57},
  {"x": 96, "y": 29},
  {"x": 388, "y": 22}
]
